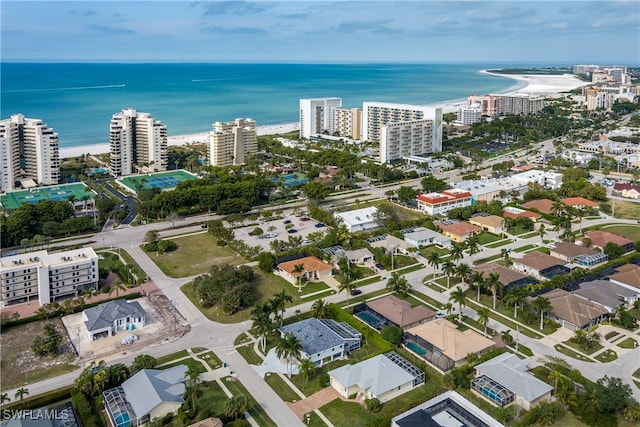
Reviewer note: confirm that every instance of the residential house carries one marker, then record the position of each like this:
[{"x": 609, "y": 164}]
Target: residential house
[
  {"x": 513, "y": 213},
  {"x": 540, "y": 265},
  {"x": 359, "y": 256},
  {"x": 391, "y": 244},
  {"x": 149, "y": 394},
  {"x": 459, "y": 231},
  {"x": 313, "y": 270},
  {"x": 572, "y": 311},
  {"x": 421, "y": 236},
  {"x": 583, "y": 256},
  {"x": 540, "y": 205},
  {"x": 608, "y": 294},
  {"x": 508, "y": 277},
  {"x": 400, "y": 313},
  {"x": 323, "y": 340},
  {"x": 359, "y": 219},
  {"x": 382, "y": 377},
  {"x": 505, "y": 379},
  {"x": 628, "y": 191},
  {"x": 443, "y": 345},
  {"x": 445, "y": 410},
  {"x": 599, "y": 239},
  {"x": 111, "y": 317},
  {"x": 441, "y": 203},
  {"x": 579, "y": 203},
  {"x": 627, "y": 275},
  {"x": 491, "y": 223}
]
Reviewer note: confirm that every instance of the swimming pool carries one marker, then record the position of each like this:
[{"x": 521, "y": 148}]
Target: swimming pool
[
  {"x": 122, "y": 419},
  {"x": 369, "y": 318},
  {"x": 416, "y": 348}
]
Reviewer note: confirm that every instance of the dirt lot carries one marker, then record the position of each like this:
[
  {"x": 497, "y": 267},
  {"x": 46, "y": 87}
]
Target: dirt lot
[
  {"x": 19, "y": 365},
  {"x": 160, "y": 327}
]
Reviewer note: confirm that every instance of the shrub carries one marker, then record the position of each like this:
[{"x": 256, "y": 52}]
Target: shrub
[
  {"x": 324, "y": 379},
  {"x": 373, "y": 405}
]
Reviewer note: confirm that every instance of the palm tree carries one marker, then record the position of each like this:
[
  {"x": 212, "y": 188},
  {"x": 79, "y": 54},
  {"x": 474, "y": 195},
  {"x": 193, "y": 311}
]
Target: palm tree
[
  {"x": 515, "y": 296},
  {"x": 298, "y": 269},
  {"x": 483, "y": 317},
  {"x": 473, "y": 245},
  {"x": 21, "y": 392},
  {"x": 117, "y": 286},
  {"x": 320, "y": 309},
  {"x": 4, "y": 398},
  {"x": 555, "y": 376},
  {"x": 288, "y": 347},
  {"x": 346, "y": 286},
  {"x": 262, "y": 323},
  {"x": 235, "y": 406},
  {"x": 557, "y": 208},
  {"x": 449, "y": 268},
  {"x": 541, "y": 233},
  {"x": 458, "y": 296},
  {"x": 448, "y": 308},
  {"x": 457, "y": 251},
  {"x": 463, "y": 271},
  {"x": 506, "y": 337},
  {"x": 542, "y": 304},
  {"x": 493, "y": 282},
  {"x": 193, "y": 379},
  {"x": 477, "y": 279},
  {"x": 398, "y": 284},
  {"x": 307, "y": 368},
  {"x": 505, "y": 256},
  {"x": 434, "y": 260},
  {"x": 278, "y": 303}
]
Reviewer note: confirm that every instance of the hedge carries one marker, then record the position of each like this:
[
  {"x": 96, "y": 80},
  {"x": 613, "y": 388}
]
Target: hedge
[{"x": 374, "y": 338}]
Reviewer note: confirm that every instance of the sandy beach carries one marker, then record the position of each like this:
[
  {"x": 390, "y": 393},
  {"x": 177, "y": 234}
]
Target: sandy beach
[{"x": 533, "y": 84}]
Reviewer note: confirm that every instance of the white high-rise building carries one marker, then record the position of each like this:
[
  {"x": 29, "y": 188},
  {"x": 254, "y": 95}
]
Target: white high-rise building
[
  {"x": 317, "y": 116},
  {"x": 520, "y": 104},
  {"x": 230, "y": 142},
  {"x": 468, "y": 115},
  {"x": 47, "y": 277},
  {"x": 406, "y": 139},
  {"x": 377, "y": 114},
  {"x": 28, "y": 150},
  {"x": 137, "y": 141},
  {"x": 348, "y": 122}
]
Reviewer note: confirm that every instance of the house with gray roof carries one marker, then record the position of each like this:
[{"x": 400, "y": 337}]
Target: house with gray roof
[
  {"x": 112, "y": 317},
  {"x": 608, "y": 294},
  {"x": 421, "y": 236},
  {"x": 505, "y": 379},
  {"x": 324, "y": 340},
  {"x": 149, "y": 394},
  {"x": 383, "y": 377}
]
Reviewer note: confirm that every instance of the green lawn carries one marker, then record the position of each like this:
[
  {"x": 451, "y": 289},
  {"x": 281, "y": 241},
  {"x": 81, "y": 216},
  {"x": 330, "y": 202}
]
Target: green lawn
[
  {"x": 367, "y": 281},
  {"x": 443, "y": 281},
  {"x": 505, "y": 317},
  {"x": 212, "y": 360},
  {"x": 499, "y": 243},
  {"x": 409, "y": 269},
  {"x": 574, "y": 345},
  {"x": 488, "y": 259},
  {"x": 636, "y": 373},
  {"x": 359, "y": 272},
  {"x": 171, "y": 357},
  {"x": 412, "y": 299},
  {"x": 190, "y": 362},
  {"x": 195, "y": 255},
  {"x": 607, "y": 356},
  {"x": 631, "y": 232},
  {"x": 281, "y": 388},
  {"x": 249, "y": 354},
  {"x": 256, "y": 411},
  {"x": 529, "y": 235},
  {"x": 569, "y": 352},
  {"x": 627, "y": 210},
  {"x": 628, "y": 343},
  {"x": 425, "y": 251},
  {"x": 524, "y": 248},
  {"x": 486, "y": 237},
  {"x": 517, "y": 231}
]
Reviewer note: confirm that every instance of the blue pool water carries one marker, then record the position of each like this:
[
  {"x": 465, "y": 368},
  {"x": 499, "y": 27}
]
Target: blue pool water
[
  {"x": 122, "y": 419},
  {"x": 416, "y": 348},
  {"x": 368, "y": 318}
]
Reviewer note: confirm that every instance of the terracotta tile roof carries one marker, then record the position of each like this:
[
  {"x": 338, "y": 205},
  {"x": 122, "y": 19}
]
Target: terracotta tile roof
[
  {"x": 309, "y": 263},
  {"x": 578, "y": 201},
  {"x": 459, "y": 228},
  {"x": 539, "y": 260},
  {"x": 507, "y": 275},
  {"x": 445, "y": 196},
  {"x": 541, "y": 205},
  {"x": 453, "y": 343},
  {"x": 619, "y": 186},
  {"x": 629, "y": 275},
  {"x": 572, "y": 308},
  {"x": 511, "y": 212},
  {"x": 600, "y": 239},
  {"x": 572, "y": 250},
  {"x": 400, "y": 311}
]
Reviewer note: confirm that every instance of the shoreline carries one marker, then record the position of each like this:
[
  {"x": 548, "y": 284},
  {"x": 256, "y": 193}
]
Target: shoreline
[{"x": 532, "y": 84}]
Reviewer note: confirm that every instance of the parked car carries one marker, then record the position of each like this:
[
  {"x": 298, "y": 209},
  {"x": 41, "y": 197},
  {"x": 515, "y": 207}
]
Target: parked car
[
  {"x": 320, "y": 225},
  {"x": 304, "y": 218},
  {"x": 355, "y": 292},
  {"x": 288, "y": 221},
  {"x": 440, "y": 315},
  {"x": 271, "y": 235},
  {"x": 379, "y": 266},
  {"x": 292, "y": 230}
]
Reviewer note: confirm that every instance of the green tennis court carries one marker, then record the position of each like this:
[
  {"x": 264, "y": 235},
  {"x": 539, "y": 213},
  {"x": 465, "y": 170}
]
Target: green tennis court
[
  {"x": 54, "y": 193},
  {"x": 163, "y": 180}
]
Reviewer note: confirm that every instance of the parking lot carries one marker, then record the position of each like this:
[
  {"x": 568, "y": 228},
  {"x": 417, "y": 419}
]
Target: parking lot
[{"x": 279, "y": 229}]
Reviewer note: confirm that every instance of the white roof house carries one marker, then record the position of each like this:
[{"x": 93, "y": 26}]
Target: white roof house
[
  {"x": 359, "y": 219},
  {"x": 422, "y": 236},
  {"x": 505, "y": 379},
  {"x": 383, "y": 377}
]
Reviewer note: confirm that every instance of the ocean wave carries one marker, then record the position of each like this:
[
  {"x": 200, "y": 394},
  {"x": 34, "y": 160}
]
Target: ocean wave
[
  {"x": 204, "y": 80},
  {"x": 68, "y": 88}
]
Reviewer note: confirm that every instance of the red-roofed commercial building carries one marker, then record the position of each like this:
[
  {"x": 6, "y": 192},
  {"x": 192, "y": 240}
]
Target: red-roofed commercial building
[{"x": 441, "y": 203}]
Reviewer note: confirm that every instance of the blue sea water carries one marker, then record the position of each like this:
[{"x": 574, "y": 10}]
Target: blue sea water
[{"x": 78, "y": 99}]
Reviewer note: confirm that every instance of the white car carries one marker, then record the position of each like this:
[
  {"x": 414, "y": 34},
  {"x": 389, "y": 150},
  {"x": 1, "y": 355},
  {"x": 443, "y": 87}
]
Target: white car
[{"x": 271, "y": 235}]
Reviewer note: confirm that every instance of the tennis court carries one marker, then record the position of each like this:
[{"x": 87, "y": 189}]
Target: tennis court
[
  {"x": 163, "y": 180},
  {"x": 14, "y": 199}
]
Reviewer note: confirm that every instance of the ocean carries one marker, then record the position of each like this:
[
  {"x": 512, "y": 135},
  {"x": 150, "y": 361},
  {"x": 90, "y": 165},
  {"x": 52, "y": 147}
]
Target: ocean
[{"x": 78, "y": 99}]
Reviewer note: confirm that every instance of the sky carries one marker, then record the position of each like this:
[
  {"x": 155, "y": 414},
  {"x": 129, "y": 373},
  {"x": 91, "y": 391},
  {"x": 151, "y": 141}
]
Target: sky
[{"x": 527, "y": 32}]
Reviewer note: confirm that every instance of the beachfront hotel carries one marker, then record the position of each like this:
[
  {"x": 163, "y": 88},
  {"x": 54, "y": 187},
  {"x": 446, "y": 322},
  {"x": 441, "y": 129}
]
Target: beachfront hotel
[
  {"x": 137, "y": 143},
  {"x": 317, "y": 116},
  {"x": 28, "y": 153},
  {"x": 230, "y": 142},
  {"x": 402, "y": 130},
  {"x": 47, "y": 277},
  {"x": 348, "y": 122}
]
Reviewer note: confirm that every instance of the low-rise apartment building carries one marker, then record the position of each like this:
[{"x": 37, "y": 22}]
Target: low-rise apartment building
[{"x": 441, "y": 203}]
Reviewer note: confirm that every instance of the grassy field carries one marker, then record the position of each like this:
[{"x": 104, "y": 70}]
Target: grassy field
[
  {"x": 631, "y": 232},
  {"x": 281, "y": 388},
  {"x": 627, "y": 210},
  {"x": 20, "y": 366},
  {"x": 628, "y": 343},
  {"x": 433, "y": 248},
  {"x": 195, "y": 255},
  {"x": 171, "y": 357},
  {"x": 485, "y": 238}
]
